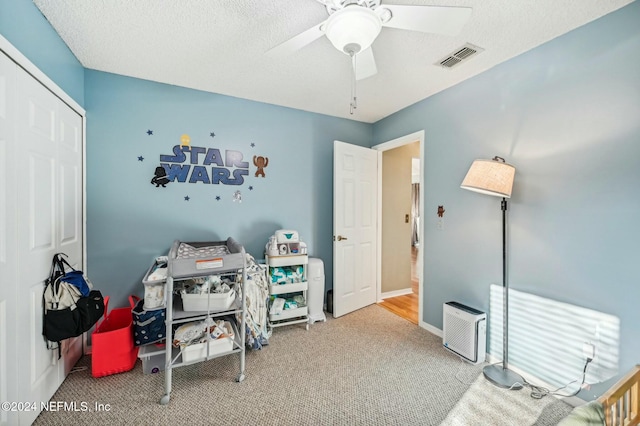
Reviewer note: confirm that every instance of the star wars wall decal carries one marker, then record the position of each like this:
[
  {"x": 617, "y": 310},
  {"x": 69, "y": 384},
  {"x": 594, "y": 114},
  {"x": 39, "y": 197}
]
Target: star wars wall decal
[
  {"x": 210, "y": 166},
  {"x": 189, "y": 164}
]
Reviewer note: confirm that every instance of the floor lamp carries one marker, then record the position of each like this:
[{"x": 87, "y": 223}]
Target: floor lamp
[{"x": 495, "y": 177}]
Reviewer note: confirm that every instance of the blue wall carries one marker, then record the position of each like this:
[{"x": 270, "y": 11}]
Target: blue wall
[
  {"x": 130, "y": 221},
  {"x": 27, "y": 29},
  {"x": 567, "y": 115}
]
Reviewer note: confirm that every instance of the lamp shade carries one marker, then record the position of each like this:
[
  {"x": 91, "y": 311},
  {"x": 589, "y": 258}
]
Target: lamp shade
[
  {"x": 491, "y": 177},
  {"x": 353, "y": 29}
]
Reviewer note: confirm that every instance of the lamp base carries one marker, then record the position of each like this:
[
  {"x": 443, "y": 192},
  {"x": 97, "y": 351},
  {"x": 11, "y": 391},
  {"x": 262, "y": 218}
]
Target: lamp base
[{"x": 503, "y": 377}]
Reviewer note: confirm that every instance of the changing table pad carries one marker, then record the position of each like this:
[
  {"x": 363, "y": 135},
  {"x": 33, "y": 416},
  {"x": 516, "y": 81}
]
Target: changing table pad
[
  {"x": 188, "y": 259},
  {"x": 187, "y": 251}
]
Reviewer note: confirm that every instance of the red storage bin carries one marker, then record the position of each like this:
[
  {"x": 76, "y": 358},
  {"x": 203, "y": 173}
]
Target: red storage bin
[{"x": 113, "y": 350}]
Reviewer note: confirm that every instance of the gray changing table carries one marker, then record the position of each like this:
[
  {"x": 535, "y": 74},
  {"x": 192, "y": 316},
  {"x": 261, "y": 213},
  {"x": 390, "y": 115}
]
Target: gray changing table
[{"x": 189, "y": 260}]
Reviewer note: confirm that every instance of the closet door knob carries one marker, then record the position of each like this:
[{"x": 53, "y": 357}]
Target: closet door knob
[{"x": 340, "y": 238}]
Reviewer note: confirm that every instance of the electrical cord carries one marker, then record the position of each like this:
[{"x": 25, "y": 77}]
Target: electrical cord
[{"x": 539, "y": 392}]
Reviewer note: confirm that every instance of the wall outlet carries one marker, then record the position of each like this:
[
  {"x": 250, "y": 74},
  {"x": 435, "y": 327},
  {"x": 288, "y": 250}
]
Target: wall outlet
[
  {"x": 588, "y": 350},
  {"x": 440, "y": 224}
]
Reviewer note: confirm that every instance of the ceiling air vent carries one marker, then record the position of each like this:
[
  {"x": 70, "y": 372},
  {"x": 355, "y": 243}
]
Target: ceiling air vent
[{"x": 460, "y": 55}]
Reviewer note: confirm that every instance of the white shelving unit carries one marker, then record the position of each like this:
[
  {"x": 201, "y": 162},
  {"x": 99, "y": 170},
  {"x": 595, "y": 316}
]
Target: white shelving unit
[
  {"x": 181, "y": 270},
  {"x": 289, "y": 316}
]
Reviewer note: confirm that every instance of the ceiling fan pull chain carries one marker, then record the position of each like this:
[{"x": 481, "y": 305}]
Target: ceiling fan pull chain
[{"x": 354, "y": 103}]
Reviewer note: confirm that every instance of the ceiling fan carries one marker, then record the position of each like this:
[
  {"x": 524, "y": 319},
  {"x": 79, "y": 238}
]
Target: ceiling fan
[{"x": 353, "y": 25}]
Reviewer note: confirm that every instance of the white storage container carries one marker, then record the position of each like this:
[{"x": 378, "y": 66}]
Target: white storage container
[
  {"x": 212, "y": 302},
  {"x": 289, "y": 313},
  {"x": 153, "y": 358},
  {"x": 199, "y": 350}
]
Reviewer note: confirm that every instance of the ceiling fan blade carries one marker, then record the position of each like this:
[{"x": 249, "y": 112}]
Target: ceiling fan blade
[
  {"x": 365, "y": 64},
  {"x": 428, "y": 19},
  {"x": 298, "y": 42}
]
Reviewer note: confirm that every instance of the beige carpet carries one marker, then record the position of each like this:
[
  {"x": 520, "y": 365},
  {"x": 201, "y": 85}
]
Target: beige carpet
[
  {"x": 486, "y": 404},
  {"x": 367, "y": 368}
]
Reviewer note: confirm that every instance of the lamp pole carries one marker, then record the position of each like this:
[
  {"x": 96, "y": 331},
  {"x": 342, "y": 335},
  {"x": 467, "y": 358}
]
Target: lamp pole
[
  {"x": 503, "y": 377},
  {"x": 505, "y": 298}
]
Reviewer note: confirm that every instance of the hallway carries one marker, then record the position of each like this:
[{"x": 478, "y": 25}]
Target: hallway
[{"x": 406, "y": 306}]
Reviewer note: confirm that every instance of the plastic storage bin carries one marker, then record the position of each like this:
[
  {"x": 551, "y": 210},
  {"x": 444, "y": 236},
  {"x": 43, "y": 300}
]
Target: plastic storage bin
[
  {"x": 199, "y": 350},
  {"x": 153, "y": 358},
  {"x": 212, "y": 302},
  {"x": 113, "y": 350}
]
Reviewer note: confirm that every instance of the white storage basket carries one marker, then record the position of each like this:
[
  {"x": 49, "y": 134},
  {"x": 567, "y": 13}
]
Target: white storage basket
[{"x": 211, "y": 302}]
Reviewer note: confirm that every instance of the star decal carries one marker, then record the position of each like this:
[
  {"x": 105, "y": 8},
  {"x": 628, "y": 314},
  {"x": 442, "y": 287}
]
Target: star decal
[
  {"x": 253, "y": 145},
  {"x": 212, "y": 134},
  {"x": 217, "y": 198},
  {"x": 187, "y": 198},
  {"x": 149, "y": 132},
  {"x": 251, "y": 188},
  {"x": 140, "y": 158}
]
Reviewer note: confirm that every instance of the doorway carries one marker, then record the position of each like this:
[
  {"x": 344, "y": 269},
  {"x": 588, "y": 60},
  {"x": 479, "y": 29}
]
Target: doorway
[{"x": 400, "y": 233}]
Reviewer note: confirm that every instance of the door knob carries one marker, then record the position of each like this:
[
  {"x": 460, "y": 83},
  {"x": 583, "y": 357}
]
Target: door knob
[{"x": 340, "y": 238}]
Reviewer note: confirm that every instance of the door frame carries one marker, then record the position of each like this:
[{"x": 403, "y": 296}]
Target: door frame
[{"x": 381, "y": 148}]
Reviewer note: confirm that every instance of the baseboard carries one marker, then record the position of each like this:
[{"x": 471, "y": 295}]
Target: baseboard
[
  {"x": 574, "y": 401},
  {"x": 431, "y": 329},
  {"x": 396, "y": 293}
]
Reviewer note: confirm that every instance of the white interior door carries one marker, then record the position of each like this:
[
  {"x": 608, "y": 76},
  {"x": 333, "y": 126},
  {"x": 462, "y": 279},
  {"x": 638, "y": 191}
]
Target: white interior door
[
  {"x": 355, "y": 190},
  {"x": 8, "y": 258}
]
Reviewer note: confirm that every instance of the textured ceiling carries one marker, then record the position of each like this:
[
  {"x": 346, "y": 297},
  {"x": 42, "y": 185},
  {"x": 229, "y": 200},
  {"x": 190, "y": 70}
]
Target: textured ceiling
[{"x": 219, "y": 46}]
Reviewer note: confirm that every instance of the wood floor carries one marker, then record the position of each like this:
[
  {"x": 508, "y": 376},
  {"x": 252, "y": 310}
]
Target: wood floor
[{"x": 406, "y": 306}]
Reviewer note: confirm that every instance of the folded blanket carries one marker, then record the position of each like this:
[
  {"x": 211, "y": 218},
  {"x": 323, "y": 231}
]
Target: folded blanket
[{"x": 588, "y": 414}]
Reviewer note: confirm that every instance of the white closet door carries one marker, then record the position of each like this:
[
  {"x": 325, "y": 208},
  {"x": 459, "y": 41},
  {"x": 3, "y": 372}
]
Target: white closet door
[
  {"x": 69, "y": 223},
  {"x": 8, "y": 258},
  {"x": 49, "y": 194}
]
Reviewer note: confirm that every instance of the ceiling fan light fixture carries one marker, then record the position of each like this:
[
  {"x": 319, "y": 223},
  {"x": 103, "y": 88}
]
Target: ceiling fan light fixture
[{"x": 353, "y": 29}]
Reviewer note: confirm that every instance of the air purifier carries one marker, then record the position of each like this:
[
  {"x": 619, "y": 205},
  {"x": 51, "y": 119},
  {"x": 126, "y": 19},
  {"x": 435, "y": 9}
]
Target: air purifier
[{"x": 464, "y": 332}]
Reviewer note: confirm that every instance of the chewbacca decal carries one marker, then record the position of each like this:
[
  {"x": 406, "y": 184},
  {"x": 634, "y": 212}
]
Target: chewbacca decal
[{"x": 260, "y": 163}]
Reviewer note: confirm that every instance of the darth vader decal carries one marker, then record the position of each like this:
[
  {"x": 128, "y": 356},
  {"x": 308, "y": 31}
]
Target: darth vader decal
[{"x": 160, "y": 177}]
